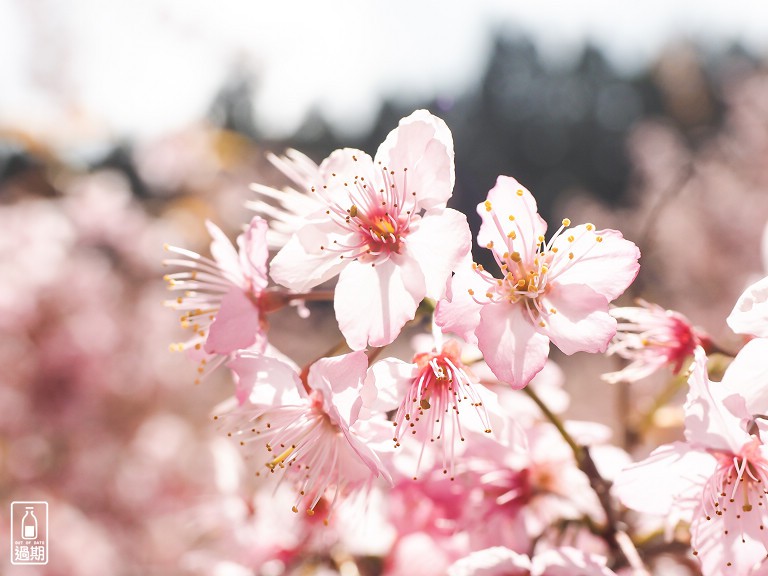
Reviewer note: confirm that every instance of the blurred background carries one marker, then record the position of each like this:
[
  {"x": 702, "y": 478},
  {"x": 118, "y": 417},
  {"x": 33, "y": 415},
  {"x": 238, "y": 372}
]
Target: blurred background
[{"x": 125, "y": 124}]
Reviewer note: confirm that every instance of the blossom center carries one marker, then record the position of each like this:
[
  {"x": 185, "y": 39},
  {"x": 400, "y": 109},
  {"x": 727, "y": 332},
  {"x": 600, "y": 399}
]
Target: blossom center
[
  {"x": 431, "y": 408},
  {"x": 738, "y": 487},
  {"x": 374, "y": 214}
]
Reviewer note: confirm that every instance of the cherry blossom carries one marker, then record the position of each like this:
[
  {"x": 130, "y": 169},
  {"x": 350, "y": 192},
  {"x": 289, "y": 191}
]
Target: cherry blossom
[
  {"x": 554, "y": 291},
  {"x": 652, "y": 337},
  {"x": 384, "y": 229},
  {"x": 430, "y": 395},
  {"x": 717, "y": 478},
  {"x": 310, "y": 431},
  {"x": 224, "y": 298}
]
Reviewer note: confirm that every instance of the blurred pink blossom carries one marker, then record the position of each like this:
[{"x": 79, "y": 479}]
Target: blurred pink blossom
[{"x": 652, "y": 337}]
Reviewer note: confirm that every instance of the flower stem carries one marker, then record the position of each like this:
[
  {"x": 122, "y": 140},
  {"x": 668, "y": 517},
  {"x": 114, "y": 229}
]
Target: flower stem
[
  {"x": 556, "y": 422},
  {"x": 586, "y": 464},
  {"x": 318, "y": 296}
]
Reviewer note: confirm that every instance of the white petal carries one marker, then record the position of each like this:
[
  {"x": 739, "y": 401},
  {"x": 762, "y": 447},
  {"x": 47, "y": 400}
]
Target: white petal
[
  {"x": 372, "y": 303},
  {"x": 511, "y": 345},
  {"x": 750, "y": 315},
  {"x": 299, "y": 269},
  {"x": 438, "y": 243},
  {"x": 671, "y": 479},
  {"x": 422, "y": 144}
]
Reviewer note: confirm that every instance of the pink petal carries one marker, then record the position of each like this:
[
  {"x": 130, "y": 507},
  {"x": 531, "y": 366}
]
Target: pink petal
[
  {"x": 438, "y": 243},
  {"x": 732, "y": 543},
  {"x": 581, "y": 322},
  {"x": 237, "y": 324},
  {"x": 422, "y": 144},
  {"x": 607, "y": 266},
  {"x": 264, "y": 380},
  {"x": 345, "y": 162},
  {"x": 225, "y": 255},
  {"x": 364, "y": 452},
  {"x": 372, "y": 303},
  {"x": 568, "y": 561},
  {"x": 671, "y": 478},
  {"x": 750, "y": 315},
  {"x": 747, "y": 375},
  {"x": 708, "y": 423},
  {"x": 340, "y": 379},
  {"x": 458, "y": 312},
  {"x": 388, "y": 379},
  {"x": 527, "y": 225},
  {"x": 301, "y": 269},
  {"x": 510, "y": 344},
  {"x": 495, "y": 561},
  {"x": 254, "y": 252}
]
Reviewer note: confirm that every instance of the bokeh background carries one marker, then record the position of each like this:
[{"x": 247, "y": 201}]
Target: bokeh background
[{"x": 125, "y": 124}]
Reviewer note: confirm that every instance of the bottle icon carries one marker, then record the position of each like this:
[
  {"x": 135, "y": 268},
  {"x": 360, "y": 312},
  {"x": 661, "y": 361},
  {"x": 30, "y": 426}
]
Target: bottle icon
[{"x": 29, "y": 524}]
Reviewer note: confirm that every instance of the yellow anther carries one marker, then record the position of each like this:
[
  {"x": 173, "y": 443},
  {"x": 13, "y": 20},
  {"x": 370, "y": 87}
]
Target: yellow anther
[
  {"x": 571, "y": 238},
  {"x": 511, "y": 218},
  {"x": 489, "y": 245},
  {"x": 515, "y": 256},
  {"x": 512, "y": 235},
  {"x": 519, "y": 192},
  {"x": 570, "y": 255},
  {"x": 566, "y": 222},
  {"x": 599, "y": 238},
  {"x": 471, "y": 292},
  {"x": 488, "y": 295},
  {"x": 280, "y": 459},
  {"x": 488, "y": 206},
  {"x": 542, "y": 324},
  {"x": 353, "y": 211},
  {"x": 590, "y": 227}
]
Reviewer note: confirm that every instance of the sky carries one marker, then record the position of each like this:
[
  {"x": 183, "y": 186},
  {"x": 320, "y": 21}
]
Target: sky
[{"x": 82, "y": 73}]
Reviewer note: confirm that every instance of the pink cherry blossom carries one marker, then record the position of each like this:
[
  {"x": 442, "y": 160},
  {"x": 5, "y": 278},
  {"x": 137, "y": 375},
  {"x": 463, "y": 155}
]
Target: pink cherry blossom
[
  {"x": 527, "y": 489},
  {"x": 716, "y": 479},
  {"x": 554, "y": 291},
  {"x": 311, "y": 432},
  {"x": 652, "y": 337},
  {"x": 430, "y": 395},
  {"x": 384, "y": 229},
  {"x": 750, "y": 314},
  {"x": 224, "y": 298}
]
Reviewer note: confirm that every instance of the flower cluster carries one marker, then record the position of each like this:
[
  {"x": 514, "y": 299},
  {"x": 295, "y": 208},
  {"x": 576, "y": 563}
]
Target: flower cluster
[{"x": 459, "y": 448}]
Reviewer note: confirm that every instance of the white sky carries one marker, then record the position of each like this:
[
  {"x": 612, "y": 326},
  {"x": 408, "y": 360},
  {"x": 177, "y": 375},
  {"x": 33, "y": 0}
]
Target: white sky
[{"x": 83, "y": 72}]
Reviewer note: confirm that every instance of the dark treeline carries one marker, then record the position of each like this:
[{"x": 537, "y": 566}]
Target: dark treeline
[{"x": 554, "y": 129}]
